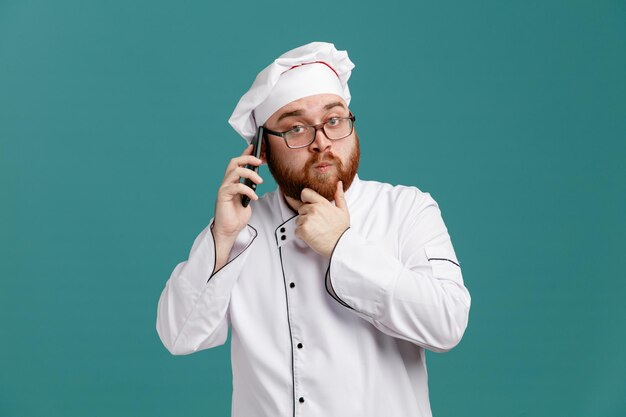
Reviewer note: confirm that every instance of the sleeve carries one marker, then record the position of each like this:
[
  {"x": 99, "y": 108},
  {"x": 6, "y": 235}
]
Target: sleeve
[
  {"x": 192, "y": 312},
  {"x": 416, "y": 294}
]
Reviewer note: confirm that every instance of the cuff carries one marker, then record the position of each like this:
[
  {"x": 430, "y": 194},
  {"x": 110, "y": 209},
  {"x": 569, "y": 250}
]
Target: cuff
[
  {"x": 360, "y": 274},
  {"x": 244, "y": 239}
]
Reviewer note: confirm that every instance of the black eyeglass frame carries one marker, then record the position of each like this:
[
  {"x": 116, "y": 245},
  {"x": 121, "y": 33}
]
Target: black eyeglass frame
[{"x": 317, "y": 127}]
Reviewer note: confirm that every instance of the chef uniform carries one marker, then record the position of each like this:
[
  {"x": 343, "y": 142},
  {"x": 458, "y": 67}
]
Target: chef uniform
[{"x": 320, "y": 337}]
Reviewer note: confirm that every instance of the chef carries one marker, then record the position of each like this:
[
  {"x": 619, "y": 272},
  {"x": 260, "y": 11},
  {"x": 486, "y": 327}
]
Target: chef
[{"x": 332, "y": 286}]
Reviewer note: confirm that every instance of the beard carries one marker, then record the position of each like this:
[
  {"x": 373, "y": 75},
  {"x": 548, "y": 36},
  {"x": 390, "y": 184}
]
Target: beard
[{"x": 292, "y": 181}]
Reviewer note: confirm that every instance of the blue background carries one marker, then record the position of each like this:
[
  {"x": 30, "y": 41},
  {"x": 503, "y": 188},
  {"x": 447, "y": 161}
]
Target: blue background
[{"x": 114, "y": 139}]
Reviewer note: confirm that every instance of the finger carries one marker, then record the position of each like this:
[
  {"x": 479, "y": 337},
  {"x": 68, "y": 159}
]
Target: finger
[
  {"x": 243, "y": 160},
  {"x": 305, "y": 209},
  {"x": 309, "y": 196},
  {"x": 241, "y": 172},
  {"x": 236, "y": 163},
  {"x": 340, "y": 197},
  {"x": 248, "y": 150},
  {"x": 301, "y": 230},
  {"x": 232, "y": 190}
]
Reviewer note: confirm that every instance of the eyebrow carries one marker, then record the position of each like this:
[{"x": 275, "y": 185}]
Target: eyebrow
[
  {"x": 289, "y": 114},
  {"x": 299, "y": 111},
  {"x": 335, "y": 104}
]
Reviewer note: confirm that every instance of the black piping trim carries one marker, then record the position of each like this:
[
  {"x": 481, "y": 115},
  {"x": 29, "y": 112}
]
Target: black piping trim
[
  {"x": 286, "y": 221},
  {"x": 293, "y": 371},
  {"x": 443, "y": 259},
  {"x": 328, "y": 283},
  {"x": 256, "y": 233}
]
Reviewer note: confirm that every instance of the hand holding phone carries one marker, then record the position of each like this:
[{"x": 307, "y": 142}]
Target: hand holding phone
[{"x": 256, "y": 151}]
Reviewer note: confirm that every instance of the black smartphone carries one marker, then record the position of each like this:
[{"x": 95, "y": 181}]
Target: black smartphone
[{"x": 256, "y": 151}]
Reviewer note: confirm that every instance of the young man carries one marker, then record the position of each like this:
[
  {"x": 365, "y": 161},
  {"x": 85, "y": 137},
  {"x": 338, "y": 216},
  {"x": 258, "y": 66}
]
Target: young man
[{"x": 332, "y": 286}]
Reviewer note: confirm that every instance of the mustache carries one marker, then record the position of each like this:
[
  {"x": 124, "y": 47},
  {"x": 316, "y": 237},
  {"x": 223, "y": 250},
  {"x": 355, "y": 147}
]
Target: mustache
[{"x": 327, "y": 157}]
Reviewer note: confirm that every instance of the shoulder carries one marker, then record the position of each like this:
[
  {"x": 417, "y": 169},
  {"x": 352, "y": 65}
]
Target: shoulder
[
  {"x": 395, "y": 197},
  {"x": 404, "y": 211}
]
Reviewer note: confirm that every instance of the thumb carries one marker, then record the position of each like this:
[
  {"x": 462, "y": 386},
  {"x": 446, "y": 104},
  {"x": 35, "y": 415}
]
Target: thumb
[{"x": 340, "y": 198}]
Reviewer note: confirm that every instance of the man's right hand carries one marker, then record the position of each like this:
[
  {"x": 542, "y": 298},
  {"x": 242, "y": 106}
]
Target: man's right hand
[{"x": 230, "y": 215}]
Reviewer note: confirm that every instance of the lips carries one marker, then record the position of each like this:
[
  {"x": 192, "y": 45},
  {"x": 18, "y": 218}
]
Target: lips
[
  {"x": 322, "y": 161},
  {"x": 323, "y": 167}
]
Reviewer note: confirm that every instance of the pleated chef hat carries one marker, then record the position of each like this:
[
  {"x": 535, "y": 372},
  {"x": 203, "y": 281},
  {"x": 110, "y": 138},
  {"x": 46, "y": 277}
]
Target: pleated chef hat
[{"x": 315, "y": 68}]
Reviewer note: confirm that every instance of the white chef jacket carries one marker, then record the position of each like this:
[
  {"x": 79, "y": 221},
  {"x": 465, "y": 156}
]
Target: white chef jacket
[{"x": 319, "y": 337}]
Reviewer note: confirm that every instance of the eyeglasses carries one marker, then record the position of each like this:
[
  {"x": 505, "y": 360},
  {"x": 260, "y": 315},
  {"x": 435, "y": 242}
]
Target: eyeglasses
[{"x": 301, "y": 136}]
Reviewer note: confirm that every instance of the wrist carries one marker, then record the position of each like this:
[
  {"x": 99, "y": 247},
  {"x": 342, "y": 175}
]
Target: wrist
[
  {"x": 223, "y": 245},
  {"x": 219, "y": 234},
  {"x": 336, "y": 242}
]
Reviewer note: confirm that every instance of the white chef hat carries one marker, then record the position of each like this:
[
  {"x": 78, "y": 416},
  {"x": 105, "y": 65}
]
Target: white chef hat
[{"x": 315, "y": 68}]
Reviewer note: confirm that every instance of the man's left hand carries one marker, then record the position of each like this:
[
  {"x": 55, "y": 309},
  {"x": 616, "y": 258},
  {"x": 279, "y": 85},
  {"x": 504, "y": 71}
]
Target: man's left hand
[{"x": 321, "y": 223}]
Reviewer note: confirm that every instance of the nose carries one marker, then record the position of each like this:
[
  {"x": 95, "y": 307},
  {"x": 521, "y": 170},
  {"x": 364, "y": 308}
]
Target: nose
[{"x": 321, "y": 142}]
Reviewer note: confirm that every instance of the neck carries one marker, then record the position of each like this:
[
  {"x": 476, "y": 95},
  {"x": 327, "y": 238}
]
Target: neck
[{"x": 292, "y": 203}]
